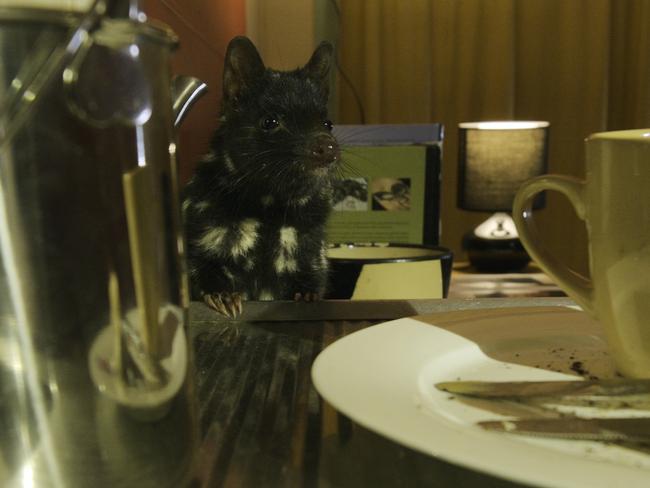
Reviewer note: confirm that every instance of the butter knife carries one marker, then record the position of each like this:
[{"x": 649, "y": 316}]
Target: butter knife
[
  {"x": 593, "y": 429},
  {"x": 521, "y": 389}
]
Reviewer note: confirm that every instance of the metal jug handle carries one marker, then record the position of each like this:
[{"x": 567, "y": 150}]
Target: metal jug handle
[
  {"x": 186, "y": 90},
  {"x": 23, "y": 100}
]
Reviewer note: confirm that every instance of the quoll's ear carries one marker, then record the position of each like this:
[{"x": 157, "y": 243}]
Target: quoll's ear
[
  {"x": 318, "y": 66},
  {"x": 242, "y": 67}
]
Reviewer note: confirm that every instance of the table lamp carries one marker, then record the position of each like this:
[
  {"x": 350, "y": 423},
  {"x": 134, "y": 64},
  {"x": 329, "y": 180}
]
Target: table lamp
[{"x": 495, "y": 158}]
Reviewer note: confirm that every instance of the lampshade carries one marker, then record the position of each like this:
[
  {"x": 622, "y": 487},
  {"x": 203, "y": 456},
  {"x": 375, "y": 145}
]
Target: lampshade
[{"x": 495, "y": 158}]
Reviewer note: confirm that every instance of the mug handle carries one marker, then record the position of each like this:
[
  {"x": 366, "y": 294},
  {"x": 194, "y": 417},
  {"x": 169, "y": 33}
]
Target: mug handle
[{"x": 576, "y": 285}]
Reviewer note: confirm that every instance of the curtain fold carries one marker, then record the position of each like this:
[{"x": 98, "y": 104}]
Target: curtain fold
[
  {"x": 583, "y": 65},
  {"x": 629, "y": 64}
]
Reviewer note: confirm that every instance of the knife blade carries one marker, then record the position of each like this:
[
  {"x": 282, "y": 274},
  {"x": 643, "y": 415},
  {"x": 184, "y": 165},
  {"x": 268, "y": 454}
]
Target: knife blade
[
  {"x": 594, "y": 429},
  {"x": 522, "y": 389},
  {"x": 286, "y": 311}
]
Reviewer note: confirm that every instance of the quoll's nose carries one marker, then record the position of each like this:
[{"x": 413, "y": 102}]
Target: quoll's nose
[{"x": 324, "y": 150}]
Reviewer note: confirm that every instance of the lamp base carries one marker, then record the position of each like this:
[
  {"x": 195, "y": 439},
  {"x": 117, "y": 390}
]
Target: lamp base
[{"x": 494, "y": 246}]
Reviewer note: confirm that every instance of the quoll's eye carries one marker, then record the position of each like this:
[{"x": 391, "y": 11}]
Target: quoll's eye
[
  {"x": 270, "y": 123},
  {"x": 328, "y": 125}
]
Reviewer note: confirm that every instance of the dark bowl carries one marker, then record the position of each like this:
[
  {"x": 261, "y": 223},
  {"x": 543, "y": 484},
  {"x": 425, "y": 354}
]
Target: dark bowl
[{"x": 351, "y": 275}]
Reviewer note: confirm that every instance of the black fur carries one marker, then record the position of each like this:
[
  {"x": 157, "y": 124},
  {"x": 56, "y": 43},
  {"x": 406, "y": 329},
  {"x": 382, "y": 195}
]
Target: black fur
[{"x": 256, "y": 207}]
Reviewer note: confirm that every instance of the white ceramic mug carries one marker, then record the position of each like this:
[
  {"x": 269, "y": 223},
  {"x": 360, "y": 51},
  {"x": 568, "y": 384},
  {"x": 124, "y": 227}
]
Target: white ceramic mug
[{"x": 614, "y": 202}]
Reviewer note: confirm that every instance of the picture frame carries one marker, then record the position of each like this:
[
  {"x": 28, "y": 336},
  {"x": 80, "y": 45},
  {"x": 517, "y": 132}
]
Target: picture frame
[{"x": 389, "y": 191}]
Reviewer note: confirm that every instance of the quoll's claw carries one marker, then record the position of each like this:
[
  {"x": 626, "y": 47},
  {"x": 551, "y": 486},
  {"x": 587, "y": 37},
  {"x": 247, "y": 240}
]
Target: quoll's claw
[
  {"x": 228, "y": 304},
  {"x": 306, "y": 297}
]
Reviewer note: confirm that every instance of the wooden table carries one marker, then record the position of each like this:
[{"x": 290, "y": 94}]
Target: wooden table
[{"x": 264, "y": 425}]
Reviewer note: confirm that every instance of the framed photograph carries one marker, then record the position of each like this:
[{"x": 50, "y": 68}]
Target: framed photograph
[{"x": 390, "y": 189}]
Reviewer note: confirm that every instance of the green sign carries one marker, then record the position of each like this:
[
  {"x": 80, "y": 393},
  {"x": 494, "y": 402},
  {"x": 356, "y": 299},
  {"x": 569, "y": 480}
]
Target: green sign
[{"x": 387, "y": 194}]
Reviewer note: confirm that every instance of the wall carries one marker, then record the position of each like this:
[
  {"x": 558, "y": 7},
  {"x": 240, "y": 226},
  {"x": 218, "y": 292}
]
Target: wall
[
  {"x": 204, "y": 28},
  {"x": 283, "y": 31}
]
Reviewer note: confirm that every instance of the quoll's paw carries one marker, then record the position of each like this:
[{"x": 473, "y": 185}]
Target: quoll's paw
[
  {"x": 306, "y": 297},
  {"x": 228, "y": 304}
]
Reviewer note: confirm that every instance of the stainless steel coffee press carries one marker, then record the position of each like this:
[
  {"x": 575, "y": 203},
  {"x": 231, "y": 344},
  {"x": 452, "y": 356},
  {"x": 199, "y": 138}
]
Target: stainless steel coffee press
[{"x": 95, "y": 366}]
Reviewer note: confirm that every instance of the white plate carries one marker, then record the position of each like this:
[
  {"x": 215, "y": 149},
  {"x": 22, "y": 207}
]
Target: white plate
[{"x": 382, "y": 377}]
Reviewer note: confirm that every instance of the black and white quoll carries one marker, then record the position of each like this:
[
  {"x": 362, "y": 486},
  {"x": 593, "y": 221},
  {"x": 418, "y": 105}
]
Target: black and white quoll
[{"x": 256, "y": 207}]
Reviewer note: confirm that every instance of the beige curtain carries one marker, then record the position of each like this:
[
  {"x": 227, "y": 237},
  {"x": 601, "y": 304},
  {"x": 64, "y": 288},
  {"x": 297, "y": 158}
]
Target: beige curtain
[{"x": 583, "y": 65}]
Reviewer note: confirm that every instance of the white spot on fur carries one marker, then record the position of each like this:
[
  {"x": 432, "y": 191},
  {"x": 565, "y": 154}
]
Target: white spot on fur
[
  {"x": 209, "y": 157},
  {"x": 284, "y": 265},
  {"x": 201, "y": 206},
  {"x": 187, "y": 203},
  {"x": 284, "y": 261},
  {"x": 267, "y": 200},
  {"x": 212, "y": 239},
  {"x": 247, "y": 237},
  {"x": 266, "y": 295},
  {"x": 301, "y": 202},
  {"x": 321, "y": 263},
  {"x": 227, "y": 160},
  {"x": 288, "y": 239}
]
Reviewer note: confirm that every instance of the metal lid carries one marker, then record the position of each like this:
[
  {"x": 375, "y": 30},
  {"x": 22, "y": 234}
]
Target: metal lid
[
  {"x": 152, "y": 29},
  {"x": 55, "y": 5},
  {"x": 35, "y": 15}
]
